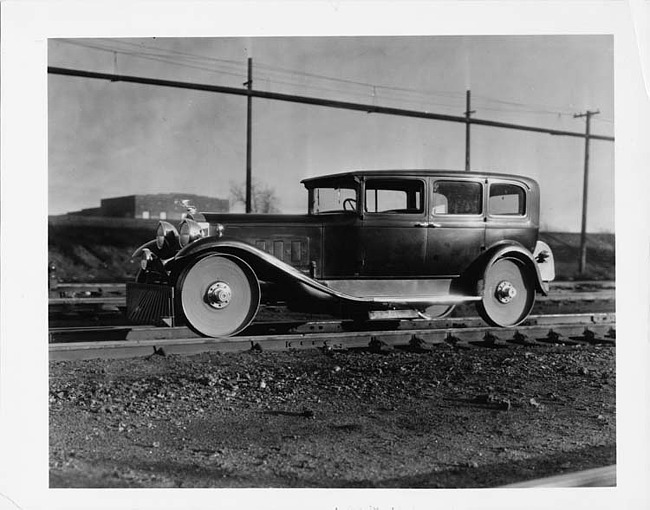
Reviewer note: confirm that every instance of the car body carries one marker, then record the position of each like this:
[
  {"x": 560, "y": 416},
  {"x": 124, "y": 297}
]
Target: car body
[{"x": 373, "y": 244}]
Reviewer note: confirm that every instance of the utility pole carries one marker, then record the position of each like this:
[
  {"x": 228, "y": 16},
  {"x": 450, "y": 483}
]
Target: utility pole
[
  {"x": 249, "y": 87},
  {"x": 468, "y": 113},
  {"x": 583, "y": 231}
]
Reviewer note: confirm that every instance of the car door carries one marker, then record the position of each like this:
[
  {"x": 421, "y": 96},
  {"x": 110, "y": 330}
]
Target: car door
[
  {"x": 392, "y": 240},
  {"x": 336, "y": 204},
  {"x": 456, "y": 224}
]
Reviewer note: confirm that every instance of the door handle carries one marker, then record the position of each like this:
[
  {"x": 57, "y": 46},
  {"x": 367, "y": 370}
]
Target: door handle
[{"x": 427, "y": 224}]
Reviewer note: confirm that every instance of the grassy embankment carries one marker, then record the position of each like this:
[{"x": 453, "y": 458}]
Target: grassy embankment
[{"x": 99, "y": 250}]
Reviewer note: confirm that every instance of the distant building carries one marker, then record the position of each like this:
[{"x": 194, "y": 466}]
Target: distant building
[{"x": 163, "y": 206}]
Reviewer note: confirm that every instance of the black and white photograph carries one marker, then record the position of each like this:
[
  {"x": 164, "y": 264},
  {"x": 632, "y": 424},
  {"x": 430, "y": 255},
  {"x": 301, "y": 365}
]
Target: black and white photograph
[{"x": 302, "y": 255}]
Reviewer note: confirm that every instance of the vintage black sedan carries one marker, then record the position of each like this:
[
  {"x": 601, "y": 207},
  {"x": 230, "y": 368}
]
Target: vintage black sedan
[{"x": 373, "y": 245}]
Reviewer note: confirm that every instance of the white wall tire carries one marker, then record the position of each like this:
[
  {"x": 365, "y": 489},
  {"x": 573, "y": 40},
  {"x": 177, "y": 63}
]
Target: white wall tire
[
  {"x": 219, "y": 295},
  {"x": 508, "y": 293}
]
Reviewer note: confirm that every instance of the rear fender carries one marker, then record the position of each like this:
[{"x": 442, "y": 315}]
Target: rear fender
[
  {"x": 545, "y": 261},
  {"x": 474, "y": 275}
]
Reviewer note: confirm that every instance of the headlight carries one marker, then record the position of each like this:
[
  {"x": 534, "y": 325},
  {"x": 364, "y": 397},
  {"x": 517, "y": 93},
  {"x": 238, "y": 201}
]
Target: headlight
[
  {"x": 190, "y": 232},
  {"x": 145, "y": 259},
  {"x": 166, "y": 236}
]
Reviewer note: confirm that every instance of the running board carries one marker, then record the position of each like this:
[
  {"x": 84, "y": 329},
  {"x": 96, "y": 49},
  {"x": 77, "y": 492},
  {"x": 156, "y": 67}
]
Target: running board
[
  {"x": 382, "y": 315},
  {"x": 428, "y": 300},
  {"x": 412, "y": 313}
]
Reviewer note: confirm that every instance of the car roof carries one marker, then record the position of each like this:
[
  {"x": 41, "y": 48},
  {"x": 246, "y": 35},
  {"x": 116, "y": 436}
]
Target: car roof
[{"x": 416, "y": 173}]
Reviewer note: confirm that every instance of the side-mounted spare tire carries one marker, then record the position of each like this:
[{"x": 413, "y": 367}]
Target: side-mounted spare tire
[
  {"x": 508, "y": 292},
  {"x": 219, "y": 295}
]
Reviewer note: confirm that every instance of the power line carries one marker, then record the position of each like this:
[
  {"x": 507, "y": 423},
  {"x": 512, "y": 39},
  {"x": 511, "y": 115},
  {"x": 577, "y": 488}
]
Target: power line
[
  {"x": 413, "y": 96},
  {"x": 361, "y": 83},
  {"x": 367, "y": 94},
  {"x": 158, "y": 53},
  {"x": 157, "y": 58},
  {"x": 541, "y": 108},
  {"x": 153, "y": 52},
  {"x": 282, "y": 70},
  {"x": 314, "y": 101},
  {"x": 452, "y": 95},
  {"x": 234, "y": 68},
  {"x": 405, "y": 96}
]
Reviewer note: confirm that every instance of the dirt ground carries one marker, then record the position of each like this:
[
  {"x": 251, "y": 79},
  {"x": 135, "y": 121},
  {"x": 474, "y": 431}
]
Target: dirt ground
[{"x": 479, "y": 417}]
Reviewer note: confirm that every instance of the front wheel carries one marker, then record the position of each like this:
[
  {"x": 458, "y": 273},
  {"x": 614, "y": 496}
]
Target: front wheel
[
  {"x": 219, "y": 295},
  {"x": 508, "y": 293}
]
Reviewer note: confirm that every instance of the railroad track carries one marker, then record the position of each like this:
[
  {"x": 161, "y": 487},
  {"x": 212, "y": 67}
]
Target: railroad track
[{"x": 421, "y": 335}]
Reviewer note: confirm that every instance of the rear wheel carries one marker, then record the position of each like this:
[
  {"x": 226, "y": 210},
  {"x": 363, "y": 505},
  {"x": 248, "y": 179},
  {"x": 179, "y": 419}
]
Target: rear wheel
[
  {"x": 219, "y": 295},
  {"x": 508, "y": 293}
]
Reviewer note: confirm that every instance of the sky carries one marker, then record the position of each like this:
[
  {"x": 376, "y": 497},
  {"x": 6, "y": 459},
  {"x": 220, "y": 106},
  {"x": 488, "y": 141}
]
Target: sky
[{"x": 110, "y": 139}]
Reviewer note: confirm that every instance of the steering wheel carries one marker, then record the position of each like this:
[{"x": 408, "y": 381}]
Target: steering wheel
[{"x": 352, "y": 202}]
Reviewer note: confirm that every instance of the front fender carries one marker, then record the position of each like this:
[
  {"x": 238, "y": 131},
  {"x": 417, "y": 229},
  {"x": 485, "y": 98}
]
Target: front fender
[
  {"x": 265, "y": 265},
  {"x": 149, "y": 245},
  {"x": 269, "y": 268}
]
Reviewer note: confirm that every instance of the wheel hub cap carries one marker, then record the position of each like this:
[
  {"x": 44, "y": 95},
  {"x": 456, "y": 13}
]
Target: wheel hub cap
[
  {"x": 218, "y": 295},
  {"x": 505, "y": 292}
]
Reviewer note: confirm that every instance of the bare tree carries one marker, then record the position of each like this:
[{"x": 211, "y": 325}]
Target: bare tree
[{"x": 263, "y": 197}]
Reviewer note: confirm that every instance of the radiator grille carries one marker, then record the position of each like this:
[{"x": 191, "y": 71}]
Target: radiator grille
[{"x": 150, "y": 304}]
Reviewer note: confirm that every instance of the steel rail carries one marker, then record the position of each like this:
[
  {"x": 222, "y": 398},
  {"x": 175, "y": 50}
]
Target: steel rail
[
  {"x": 98, "y": 300},
  {"x": 87, "y": 285},
  {"x": 422, "y": 339},
  {"x": 296, "y": 326}
]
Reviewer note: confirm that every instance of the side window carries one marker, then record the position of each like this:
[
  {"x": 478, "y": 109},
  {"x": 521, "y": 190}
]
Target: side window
[
  {"x": 393, "y": 196},
  {"x": 328, "y": 200},
  {"x": 507, "y": 200},
  {"x": 457, "y": 197}
]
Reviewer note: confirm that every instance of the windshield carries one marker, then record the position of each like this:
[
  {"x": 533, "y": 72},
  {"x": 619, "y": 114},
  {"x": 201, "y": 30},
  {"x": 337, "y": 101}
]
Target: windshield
[{"x": 338, "y": 199}]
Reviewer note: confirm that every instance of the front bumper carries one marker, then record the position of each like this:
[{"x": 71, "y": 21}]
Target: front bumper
[{"x": 149, "y": 303}]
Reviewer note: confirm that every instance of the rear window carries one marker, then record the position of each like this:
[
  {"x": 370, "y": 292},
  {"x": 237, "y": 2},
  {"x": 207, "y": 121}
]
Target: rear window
[
  {"x": 507, "y": 200},
  {"x": 457, "y": 197}
]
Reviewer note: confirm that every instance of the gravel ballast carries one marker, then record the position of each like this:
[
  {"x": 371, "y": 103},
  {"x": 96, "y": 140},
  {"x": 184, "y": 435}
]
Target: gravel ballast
[{"x": 439, "y": 417}]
